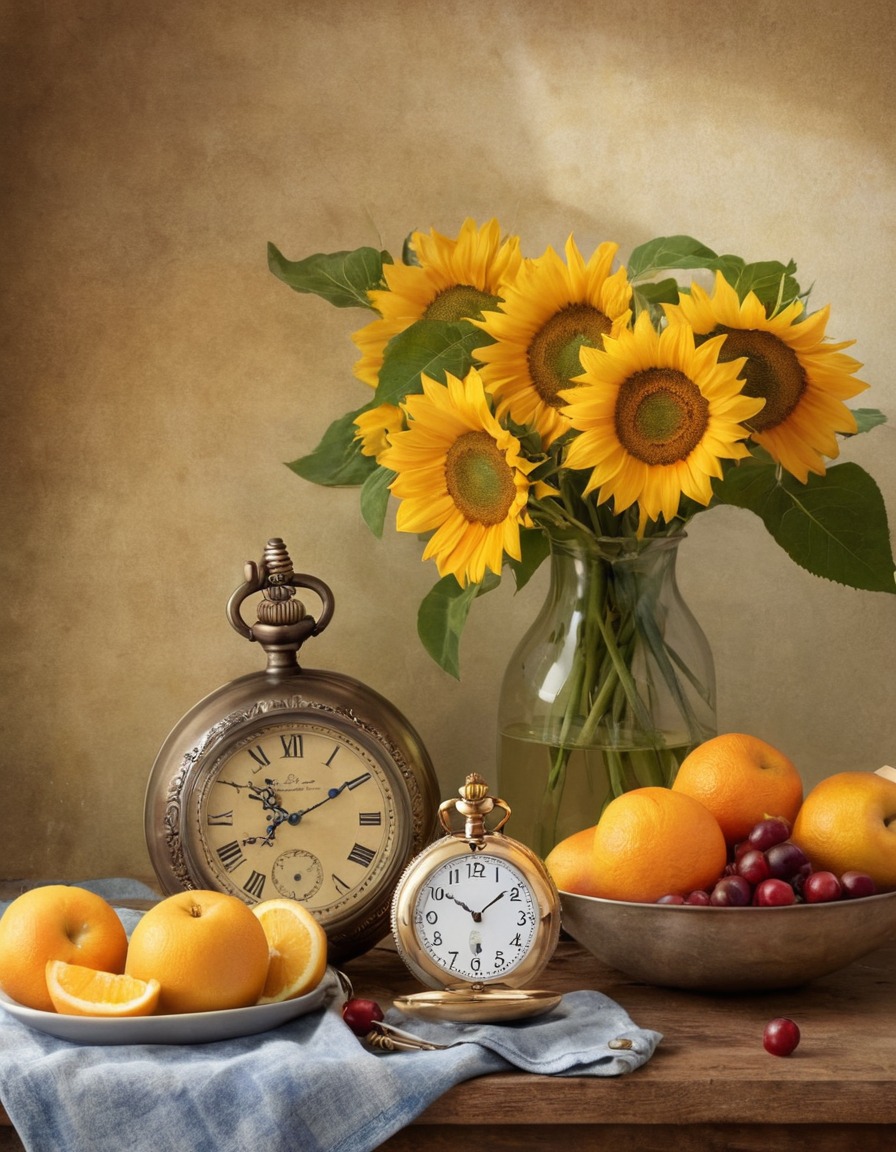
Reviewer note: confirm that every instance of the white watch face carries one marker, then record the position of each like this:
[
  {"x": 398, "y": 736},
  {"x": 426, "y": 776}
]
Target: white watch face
[{"x": 476, "y": 917}]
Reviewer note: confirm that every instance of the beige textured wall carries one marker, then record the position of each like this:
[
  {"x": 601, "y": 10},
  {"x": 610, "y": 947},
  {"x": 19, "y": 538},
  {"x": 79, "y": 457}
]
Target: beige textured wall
[{"x": 155, "y": 375}]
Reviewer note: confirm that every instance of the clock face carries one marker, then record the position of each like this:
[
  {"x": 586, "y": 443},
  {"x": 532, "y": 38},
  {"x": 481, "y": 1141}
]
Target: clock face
[
  {"x": 476, "y": 917},
  {"x": 297, "y": 808}
]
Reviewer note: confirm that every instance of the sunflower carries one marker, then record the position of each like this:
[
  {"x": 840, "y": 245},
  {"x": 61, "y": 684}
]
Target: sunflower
[
  {"x": 454, "y": 280},
  {"x": 550, "y": 312},
  {"x": 461, "y": 476},
  {"x": 656, "y": 414},
  {"x": 802, "y": 379},
  {"x": 376, "y": 425}
]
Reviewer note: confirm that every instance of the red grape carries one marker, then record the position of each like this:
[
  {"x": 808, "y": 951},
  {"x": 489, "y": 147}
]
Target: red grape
[
  {"x": 785, "y": 859},
  {"x": 768, "y": 832},
  {"x": 361, "y": 1015},
  {"x": 821, "y": 887},
  {"x": 780, "y": 1036},
  {"x": 753, "y": 866},
  {"x": 857, "y": 884},
  {"x": 731, "y": 892},
  {"x": 774, "y": 893},
  {"x": 698, "y": 897},
  {"x": 672, "y": 898}
]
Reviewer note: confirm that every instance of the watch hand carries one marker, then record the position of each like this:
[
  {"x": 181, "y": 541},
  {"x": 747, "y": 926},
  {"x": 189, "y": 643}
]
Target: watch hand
[
  {"x": 332, "y": 793},
  {"x": 476, "y": 915},
  {"x": 495, "y": 901}
]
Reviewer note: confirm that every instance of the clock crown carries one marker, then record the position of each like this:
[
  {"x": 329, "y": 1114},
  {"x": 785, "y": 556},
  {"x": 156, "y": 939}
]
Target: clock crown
[
  {"x": 475, "y": 803},
  {"x": 282, "y": 625}
]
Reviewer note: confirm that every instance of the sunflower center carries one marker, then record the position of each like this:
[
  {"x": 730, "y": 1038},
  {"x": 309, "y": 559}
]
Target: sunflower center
[
  {"x": 661, "y": 415},
  {"x": 553, "y": 354},
  {"x": 460, "y": 302},
  {"x": 772, "y": 372},
  {"x": 479, "y": 479}
]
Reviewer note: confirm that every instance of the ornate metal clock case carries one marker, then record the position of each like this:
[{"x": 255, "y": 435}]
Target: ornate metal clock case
[{"x": 290, "y": 781}]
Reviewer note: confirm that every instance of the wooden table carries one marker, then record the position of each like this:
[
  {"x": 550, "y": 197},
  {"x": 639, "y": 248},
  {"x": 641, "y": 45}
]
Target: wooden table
[{"x": 710, "y": 1084}]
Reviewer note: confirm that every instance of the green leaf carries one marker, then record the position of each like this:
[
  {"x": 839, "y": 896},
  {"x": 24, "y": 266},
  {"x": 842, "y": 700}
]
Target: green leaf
[
  {"x": 666, "y": 252},
  {"x": 834, "y": 526},
  {"x": 375, "y": 499},
  {"x": 773, "y": 282},
  {"x": 441, "y": 619},
  {"x": 868, "y": 418},
  {"x": 661, "y": 292},
  {"x": 534, "y": 549},
  {"x": 337, "y": 461},
  {"x": 429, "y": 346},
  {"x": 343, "y": 278}
]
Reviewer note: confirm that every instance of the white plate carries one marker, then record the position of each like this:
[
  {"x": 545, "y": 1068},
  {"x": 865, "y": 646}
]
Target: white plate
[{"x": 185, "y": 1028}]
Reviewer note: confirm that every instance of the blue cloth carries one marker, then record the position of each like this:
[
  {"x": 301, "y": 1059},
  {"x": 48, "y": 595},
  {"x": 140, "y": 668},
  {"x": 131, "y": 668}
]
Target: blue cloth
[{"x": 306, "y": 1086}]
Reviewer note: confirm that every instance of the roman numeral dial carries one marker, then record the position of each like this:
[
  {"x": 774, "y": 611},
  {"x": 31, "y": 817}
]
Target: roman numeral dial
[{"x": 301, "y": 809}]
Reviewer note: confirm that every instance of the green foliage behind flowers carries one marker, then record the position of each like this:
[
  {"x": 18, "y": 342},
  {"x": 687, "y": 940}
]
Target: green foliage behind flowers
[{"x": 456, "y": 419}]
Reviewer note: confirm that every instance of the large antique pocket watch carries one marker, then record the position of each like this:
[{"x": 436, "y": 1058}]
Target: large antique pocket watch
[
  {"x": 293, "y": 782},
  {"x": 476, "y": 916}
]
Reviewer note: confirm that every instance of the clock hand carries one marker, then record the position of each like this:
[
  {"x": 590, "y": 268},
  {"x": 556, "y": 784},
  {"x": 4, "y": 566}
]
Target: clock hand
[
  {"x": 495, "y": 901},
  {"x": 477, "y": 916},
  {"x": 332, "y": 793}
]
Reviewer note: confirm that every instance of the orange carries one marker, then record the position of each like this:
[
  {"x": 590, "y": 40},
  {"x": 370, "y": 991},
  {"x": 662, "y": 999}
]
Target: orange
[
  {"x": 741, "y": 780},
  {"x": 848, "y": 822},
  {"x": 79, "y": 991},
  {"x": 297, "y": 947},
  {"x": 653, "y": 842},
  {"x": 205, "y": 948},
  {"x": 56, "y": 922},
  {"x": 571, "y": 863}
]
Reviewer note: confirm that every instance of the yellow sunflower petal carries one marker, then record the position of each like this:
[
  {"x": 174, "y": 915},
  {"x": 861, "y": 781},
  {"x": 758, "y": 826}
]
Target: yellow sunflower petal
[
  {"x": 461, "y": 476},
  {"x": 455, "y": 279},
  {"x": 655, "y": 414},
  {"x": 802, "y": 378},
  {"x": 550, "y": 311}
]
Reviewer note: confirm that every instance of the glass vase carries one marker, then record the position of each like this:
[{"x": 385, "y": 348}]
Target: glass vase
[{"x": 609, "y": 690}]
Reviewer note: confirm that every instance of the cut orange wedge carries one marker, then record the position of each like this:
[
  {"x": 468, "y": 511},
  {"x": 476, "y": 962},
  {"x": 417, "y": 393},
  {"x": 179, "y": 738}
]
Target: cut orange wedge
[
  {"x": 298, "y": 949},
  {"x": 79, "y": 991}
]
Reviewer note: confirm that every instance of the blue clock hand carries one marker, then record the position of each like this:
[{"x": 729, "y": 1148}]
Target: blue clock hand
[{"x": 332, "y": 793}]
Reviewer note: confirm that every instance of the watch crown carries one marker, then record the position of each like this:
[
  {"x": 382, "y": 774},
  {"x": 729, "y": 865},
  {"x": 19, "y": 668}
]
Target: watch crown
[{"x": 474, "y": 788}]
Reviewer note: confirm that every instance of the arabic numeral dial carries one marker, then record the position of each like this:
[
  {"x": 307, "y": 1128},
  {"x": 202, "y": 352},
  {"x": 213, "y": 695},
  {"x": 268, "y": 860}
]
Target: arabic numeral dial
[{"x": 476, "y": 917}]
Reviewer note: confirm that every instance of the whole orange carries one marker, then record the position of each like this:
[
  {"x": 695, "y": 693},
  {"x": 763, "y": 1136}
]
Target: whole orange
[
  {"x": 848, "y": 822},
  {"x": 652, "y": 842},
  {"x": 571, "y": 863},
  {"x": 56, "y": 922},
  {"x": 741, "y": 780},
  {"x": 206, "y": 949}
]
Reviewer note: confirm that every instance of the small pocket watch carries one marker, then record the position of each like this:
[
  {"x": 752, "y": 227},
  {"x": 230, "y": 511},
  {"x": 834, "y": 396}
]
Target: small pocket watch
[
  {"x": 476, "y": 916},
  {"x": 293, "y": 782}
]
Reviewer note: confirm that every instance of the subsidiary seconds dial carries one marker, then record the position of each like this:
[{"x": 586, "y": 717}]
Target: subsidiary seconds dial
[
  {"x": 298, "y": 808},
  {"x": 476, "y": 917}
]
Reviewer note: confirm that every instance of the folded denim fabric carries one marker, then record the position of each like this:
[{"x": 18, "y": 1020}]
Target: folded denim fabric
[{"x": 307, "y": 1086}]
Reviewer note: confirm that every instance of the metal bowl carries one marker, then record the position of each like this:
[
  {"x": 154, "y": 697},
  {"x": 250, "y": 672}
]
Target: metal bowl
[{"x": 729, "y": 949}]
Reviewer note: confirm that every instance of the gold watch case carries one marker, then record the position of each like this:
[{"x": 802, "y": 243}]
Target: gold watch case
[
  {"x": 476, "y": 918},
  {"x": 292, "y": 782}
]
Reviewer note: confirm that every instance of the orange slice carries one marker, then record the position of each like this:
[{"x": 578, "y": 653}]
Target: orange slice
[
  {"x": 79, "y": 991},
  {"x": 298, "y": 949}
]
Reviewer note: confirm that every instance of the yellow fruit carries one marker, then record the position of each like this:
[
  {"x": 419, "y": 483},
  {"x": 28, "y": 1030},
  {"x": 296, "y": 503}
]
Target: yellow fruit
[
  {"x": 741, "y": 780},
  {"x": 571, "y": 863},
  {"x": 79, "y": 991},
  {"x": 848, "y": 823},
  {"x": 205, "y": 948},
  {"x": 653, "y": 842},
  {"x": 297, "y": 949},
  {"x": 56, "y": 922}
]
